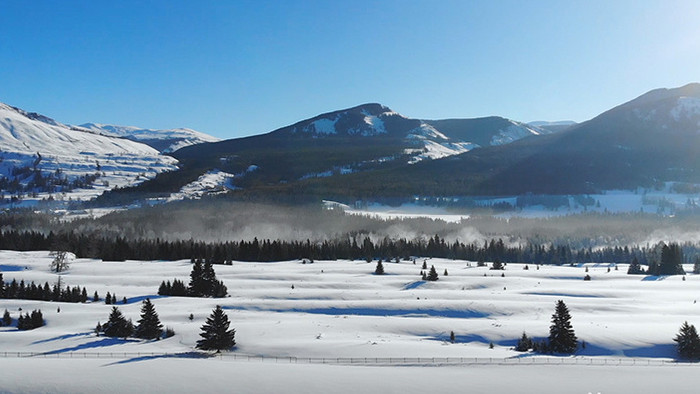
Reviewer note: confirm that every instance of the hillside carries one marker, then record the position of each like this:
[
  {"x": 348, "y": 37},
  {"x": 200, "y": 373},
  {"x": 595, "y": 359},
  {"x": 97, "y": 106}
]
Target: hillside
[
  {"x": 41, "y": 158},
  {"x": 165, "y": 141}
]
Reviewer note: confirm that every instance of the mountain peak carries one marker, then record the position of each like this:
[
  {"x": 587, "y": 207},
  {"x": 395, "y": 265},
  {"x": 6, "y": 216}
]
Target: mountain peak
[{"x": 689, "y": 90}]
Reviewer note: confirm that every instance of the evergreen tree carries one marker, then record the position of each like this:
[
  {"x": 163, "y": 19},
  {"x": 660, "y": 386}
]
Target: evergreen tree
[
  {"x": 688, "y": 342},
  {"x": 6, "y": 319},
  {"x": 524, "y": 344},
  {"x": 95, "y": 297},
  {"x": 432, "y": 275},
  {"x": 380, "y": 268},
  {"x": 696, "y": 269},
  {"x": 117, "y": 326},
  {"x": 635, "y": 268},
  {"x": 108, "y": 298},
  {"x": 149, "y": 326},
  {"x": 215, "y": 333},
  {"x": 197, "y": 286},
  {"x": 561, "y": 334}
]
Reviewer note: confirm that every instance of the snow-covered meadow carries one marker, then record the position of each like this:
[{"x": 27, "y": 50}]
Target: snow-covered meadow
[{"x": 340, "y": 309}]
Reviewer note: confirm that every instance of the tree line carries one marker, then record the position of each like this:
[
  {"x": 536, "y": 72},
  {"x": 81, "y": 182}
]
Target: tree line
[{"x": 351, "y": 247}]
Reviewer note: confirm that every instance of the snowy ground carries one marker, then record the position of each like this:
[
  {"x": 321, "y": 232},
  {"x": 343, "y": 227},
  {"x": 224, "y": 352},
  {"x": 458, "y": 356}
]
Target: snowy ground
[
  {"x": 663, "y": 202},
  {"x": 339, "y": 309}
]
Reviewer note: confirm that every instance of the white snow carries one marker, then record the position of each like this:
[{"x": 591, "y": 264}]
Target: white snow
[
  {"x": 75, "y": 152},
  {"x": 180, "y": 137},
  {"x": 513, "y": 132},
  {"x": 405, "y": 211},
  {"x": 686, "y": 108},
  {"x": 437, "y": 150},
  {"x": 211, "y": 183},
  {"x": 322, "y": 126},
  {"x": 339, "y": 309}
]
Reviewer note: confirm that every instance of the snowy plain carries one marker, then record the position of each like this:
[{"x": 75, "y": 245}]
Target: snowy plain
[{"x": 340, "y": 309}]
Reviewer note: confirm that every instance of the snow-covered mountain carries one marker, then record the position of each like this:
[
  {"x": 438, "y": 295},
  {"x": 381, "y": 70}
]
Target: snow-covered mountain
[
  {"x": 376, "y": 120},
  {"x": 488, "y": 131},
  {"x": 168, "y": 140},
  {"x": 42, "y": 158}
]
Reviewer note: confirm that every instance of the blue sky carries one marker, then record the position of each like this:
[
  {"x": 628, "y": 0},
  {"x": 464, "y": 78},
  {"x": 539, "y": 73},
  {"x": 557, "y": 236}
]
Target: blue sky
[{"x": 236, "y": 68}]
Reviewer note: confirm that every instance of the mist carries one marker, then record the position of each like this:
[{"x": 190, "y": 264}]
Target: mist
[{"x": 220, "y": 221}]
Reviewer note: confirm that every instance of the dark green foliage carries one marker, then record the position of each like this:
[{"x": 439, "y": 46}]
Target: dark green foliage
[
  {"x": 452, "y": 336},
  {"x": 688, "y": 342},
  {"x": 125, "y": 301},
  {"x": 203, "y": 282},
  {"x": 587, "y": 277},
  {"x": 696, "y": 267},
  {"x": 445, "y": 273},
  {"x": 117, "y": 326},
  {"x": 671, "y": 261},
  {"x": 95, "y": 297},
  {"x": 497, "y": 265},
  {"x": 635, "y": 268},
  {"x": 6, "y": 319},
  {"x": 149, "y": 326},
  {"x": 524, "y": 344},
  {"x": 562, "y": 338},
  {"x": 432, "y": 274},
  {"x": 169, "y": 332},
  {"x": 108, "y": 298},
  {"x": 32, "y": 291},
  {"x": 215, "y": 332},
  {"x": 380, "y": 268},
  {"x": 30, "y": 322}
]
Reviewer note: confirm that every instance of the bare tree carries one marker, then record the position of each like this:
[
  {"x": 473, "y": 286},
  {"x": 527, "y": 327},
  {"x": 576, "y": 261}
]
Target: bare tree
[{"x": 60, "y": 261}]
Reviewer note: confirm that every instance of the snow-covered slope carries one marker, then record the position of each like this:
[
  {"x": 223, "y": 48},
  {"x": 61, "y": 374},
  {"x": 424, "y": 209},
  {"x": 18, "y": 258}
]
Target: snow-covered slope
[
  {"x": 168, "y": 140},
  {"x": 379, "y": 324},
  {"x": 40, "y": 157}
]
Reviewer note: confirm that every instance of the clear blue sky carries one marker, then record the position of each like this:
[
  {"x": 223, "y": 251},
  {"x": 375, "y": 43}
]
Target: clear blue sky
[{"x": 235, "y": 68}]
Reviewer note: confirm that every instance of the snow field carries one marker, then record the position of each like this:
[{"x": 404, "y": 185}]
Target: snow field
[{"x": 340, "y": 309}]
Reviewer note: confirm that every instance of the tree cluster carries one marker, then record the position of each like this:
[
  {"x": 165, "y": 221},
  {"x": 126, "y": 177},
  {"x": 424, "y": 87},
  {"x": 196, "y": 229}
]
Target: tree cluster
[
  {"x": 351, "y": 246},
  {"x": 148, "y": 327},
  {"x": 203, "y": 283},
  {"x": 30, "y": 321},
  {"x": 21, "y": 290}
]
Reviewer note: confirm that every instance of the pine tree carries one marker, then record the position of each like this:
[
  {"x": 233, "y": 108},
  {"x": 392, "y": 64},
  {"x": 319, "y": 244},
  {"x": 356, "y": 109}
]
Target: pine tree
[
  {"x": 196, "y": 287},
  {"x": 6, "y": 319},
  {"x": 215, "y": 333},
  {"x": 432, "y": 275},
  {"x": 561, "y": 334},
  {"x": 380, "y": 268},
  {"x": 688, "y": 342},
  {"x": 108, "y": 298},
  {"x": 524, "y": 344},
  {"x": 95, "y": 297},
  {"x": 117, "y": 326},
  {"x": 149, "y": 326}
]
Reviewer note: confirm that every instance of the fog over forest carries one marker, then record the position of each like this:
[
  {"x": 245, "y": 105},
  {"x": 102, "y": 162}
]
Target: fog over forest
[{"x": 235, "y": 221}]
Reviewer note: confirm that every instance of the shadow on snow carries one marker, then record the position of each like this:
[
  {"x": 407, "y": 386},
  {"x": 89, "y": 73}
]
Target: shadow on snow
[{"x": 449, "y": 313}]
